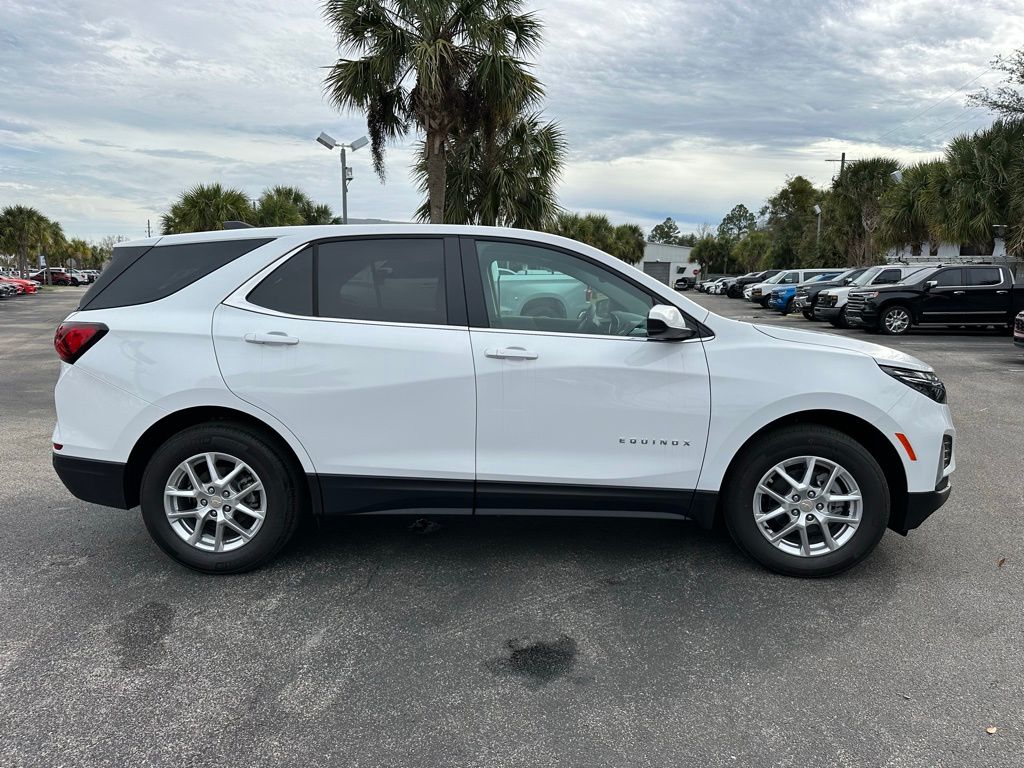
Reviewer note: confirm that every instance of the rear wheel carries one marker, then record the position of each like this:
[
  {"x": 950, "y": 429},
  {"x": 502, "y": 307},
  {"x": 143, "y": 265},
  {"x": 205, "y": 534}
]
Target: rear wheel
[
  {"x": 806, "y": 500},
  {"x": 544, "y": 308},
  {"x": 895, "y": 320},
  {"x": 220, "y": 499}
]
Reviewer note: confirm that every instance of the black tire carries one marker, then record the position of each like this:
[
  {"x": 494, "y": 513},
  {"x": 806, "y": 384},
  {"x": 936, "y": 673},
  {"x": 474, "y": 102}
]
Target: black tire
[
  {"x": 805, "y": 440},
  {"x": 887, "y": 320},
  {"x": 840, "y": 320},
  {"x": 544, "y": 308},
  {"x": 788, "y": 309},
  {"x": 285, "y": 497},
  {"x": 734, "y": 292},
  {"x": 809, "y": 315}
]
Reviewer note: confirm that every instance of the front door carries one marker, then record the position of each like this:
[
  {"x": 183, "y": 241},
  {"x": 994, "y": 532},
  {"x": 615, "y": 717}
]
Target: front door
[
  {"x": 361, "y": 348},
  {"x": 576, "y": 408},
  {"x": 946, "y": 301}
]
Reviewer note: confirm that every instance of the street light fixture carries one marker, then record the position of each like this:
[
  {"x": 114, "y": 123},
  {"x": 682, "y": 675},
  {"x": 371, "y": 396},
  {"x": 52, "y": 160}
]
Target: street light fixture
[
  {"x": 328, "y": 141},
  {"x": 896, "y": 176},
  {"x": 817, "y": 212}
]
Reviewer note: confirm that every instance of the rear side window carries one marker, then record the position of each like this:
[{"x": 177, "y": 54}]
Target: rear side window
[
  {"x": 398, "y": 281},
  {"x": 289, "y": 288},
  {"x": 984, "y": 276},
  {"x": 158, "y": 272}
]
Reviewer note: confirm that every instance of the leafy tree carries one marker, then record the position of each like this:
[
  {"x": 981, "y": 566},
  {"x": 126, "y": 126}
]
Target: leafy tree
[
  {"x": 625, "y": 241},
  {"x": 443, "y": 67},
  {"x": 1007, "y": 99},
  {"x": 737, "y": 223},
  {"x": 791, "y": 222},
  {"x": 753, "y": 252},
  {"x": 24, "y": 232},
  {"x": 666, "y": 232},
  {"x": 206, "y": 207},
  {"x": 511, "y": 183},
  {"x": 712, "y": 253},
  {"x": 104, "y": 250}
]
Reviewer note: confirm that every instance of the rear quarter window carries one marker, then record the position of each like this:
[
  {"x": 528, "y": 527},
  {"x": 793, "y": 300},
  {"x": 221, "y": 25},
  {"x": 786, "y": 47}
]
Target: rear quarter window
[{"x": 141, "y": 275}]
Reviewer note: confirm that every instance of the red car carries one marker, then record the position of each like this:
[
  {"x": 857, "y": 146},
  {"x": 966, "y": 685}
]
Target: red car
[
  {"x": 57, "y": 277},
  {"x": 24, "y": 286}
]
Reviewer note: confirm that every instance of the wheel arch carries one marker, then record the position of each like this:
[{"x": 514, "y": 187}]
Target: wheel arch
[
  {"x": 864, "y": 432},
  {"x": 160, "y": 431}
]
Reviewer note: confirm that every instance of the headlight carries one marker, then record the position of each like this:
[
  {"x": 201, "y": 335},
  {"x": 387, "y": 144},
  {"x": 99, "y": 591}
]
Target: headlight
[
  {"x": 926, "y": 383},
  {"x": 868, "y": 294}
]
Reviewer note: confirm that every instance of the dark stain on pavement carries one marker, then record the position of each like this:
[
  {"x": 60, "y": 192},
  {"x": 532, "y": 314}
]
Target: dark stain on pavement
[
  {"x": 140, "y": 639},
  {"x": 538, "y": 662}
]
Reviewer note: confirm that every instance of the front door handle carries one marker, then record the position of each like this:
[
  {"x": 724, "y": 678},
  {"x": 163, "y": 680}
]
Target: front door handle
[
  {"x": 272, "y": 338},
  {"x": 1002, "y": 292},
  {"x": 511, "y": 353},
  {"x": 959, "y": 293}
]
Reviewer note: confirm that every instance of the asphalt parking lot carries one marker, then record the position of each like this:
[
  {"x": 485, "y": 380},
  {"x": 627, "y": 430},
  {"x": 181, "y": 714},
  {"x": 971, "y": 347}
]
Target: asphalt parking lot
[{"x": 373, "y": 642}]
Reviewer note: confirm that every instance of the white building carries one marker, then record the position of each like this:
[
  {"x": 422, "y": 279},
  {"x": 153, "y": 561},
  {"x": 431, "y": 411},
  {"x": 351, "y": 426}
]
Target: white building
[
  {"x": 952, "y": 253},
  {"x": 668, "y": 263}
]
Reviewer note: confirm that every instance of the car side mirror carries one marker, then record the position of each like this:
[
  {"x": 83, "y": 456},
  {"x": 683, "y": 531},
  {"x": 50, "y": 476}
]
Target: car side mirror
[
  {"x": 666, "y": 323},
  {"x": 847, "y": 281},
  {"x": 930, "y": 284}
]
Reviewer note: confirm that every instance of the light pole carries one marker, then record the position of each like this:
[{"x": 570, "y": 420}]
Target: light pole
[{"x": 346, "y": 173}]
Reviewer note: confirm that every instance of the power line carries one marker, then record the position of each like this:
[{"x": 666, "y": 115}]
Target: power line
[
  {"x": 960, "y": 119},
  {"x": 932, "y": 106}
]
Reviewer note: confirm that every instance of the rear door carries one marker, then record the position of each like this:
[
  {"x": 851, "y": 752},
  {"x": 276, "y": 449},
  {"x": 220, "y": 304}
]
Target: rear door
[
  {"x": 361, "y": 348},
  {"x": 580, "y": 412},
  {"x": 987, "y": 295}
]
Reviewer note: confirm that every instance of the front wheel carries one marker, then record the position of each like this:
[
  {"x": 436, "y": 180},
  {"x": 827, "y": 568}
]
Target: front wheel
[
  {"x": 809, "y": 315},
  {"x": 220, "y": 499},
  {"x": 895, "y": 320},
  {"x": 806, "y": 500}
]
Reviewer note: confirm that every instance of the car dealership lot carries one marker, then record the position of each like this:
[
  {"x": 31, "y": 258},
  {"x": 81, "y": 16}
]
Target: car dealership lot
[{"x": 512, "y": 642}]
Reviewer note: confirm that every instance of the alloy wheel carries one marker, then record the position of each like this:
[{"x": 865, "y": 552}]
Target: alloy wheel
[
  {"x": 897, "y": 320},
  {"x": 215, "y": 502},
  {"x": 807, "y": 506}
]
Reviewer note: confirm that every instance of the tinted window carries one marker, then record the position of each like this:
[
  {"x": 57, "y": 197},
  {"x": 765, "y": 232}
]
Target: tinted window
[
  {"x": 289, "y": 288},
  {"x": 398, "y": 281},
  {"x": 163, "y": 270},
  {"x": 984, "y": 276},
  {"x": 888, "y": 276},
  {"x": 122, "y": 258},
  {"x": 528, "y": 287},
  {"x": 949, "y": 277}
]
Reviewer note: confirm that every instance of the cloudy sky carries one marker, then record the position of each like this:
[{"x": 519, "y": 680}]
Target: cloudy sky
[{"x": 109, "y": 108}]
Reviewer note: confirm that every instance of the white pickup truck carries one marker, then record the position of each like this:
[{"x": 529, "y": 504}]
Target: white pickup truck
[
  {"x": 831, "y": 304},
  {"x": 539, "y": 293}
]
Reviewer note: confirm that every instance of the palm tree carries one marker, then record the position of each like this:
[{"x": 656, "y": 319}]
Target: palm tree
[
  {"x": 23, "y": 230},
  {"x": 439, "y": 66},
  {"x": 511, "y": 184},
  {"x": 625, "y": 241},
  {"x": 908, "y": 215},
  {"x": 280, "y": 207},
  {"x": 206, "y": 207},
  {"x": 855, "y": 206}
]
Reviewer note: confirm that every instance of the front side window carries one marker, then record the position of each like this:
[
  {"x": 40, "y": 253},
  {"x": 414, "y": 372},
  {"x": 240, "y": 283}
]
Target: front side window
[
  {"x": 949, "y": 277},
  {"x": 398, "y": 280},
  {"x": 528, "y": 287},
  {"x": 888, "y": 277}
]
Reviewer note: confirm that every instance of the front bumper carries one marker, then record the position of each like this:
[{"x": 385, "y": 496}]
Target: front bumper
[
  {"x": 863, "y": 318},
  {"x": 919, "y": 507},
  {"x": 92, "y": 480},
  {"x": 827, "y": 313}
]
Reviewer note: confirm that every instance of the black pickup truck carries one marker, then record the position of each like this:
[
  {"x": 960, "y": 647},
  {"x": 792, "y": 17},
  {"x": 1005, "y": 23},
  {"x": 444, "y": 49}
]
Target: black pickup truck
[{"x": 969, "y": 294}]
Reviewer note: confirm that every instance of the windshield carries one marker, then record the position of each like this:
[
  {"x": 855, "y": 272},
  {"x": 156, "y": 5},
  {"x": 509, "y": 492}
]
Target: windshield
[
  {"x": 775, "y": 278},
  {"x": 820, "y": 278},
  {"x": 868, "y": 275},
  {"x": 918, "y": 275}
]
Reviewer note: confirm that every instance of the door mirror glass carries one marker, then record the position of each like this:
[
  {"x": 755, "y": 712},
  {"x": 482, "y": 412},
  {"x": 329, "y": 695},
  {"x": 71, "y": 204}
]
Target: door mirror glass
[
  {"x": 930, "y": 284},
  {"x": 666, "y": 323}
]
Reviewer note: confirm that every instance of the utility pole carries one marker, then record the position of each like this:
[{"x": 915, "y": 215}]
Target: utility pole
[
  {"x": 149, "y": 233},
  {"x": 841, "y": 161}
]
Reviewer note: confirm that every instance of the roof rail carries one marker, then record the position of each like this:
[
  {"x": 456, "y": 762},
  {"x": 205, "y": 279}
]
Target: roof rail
[{"x": 237, "y": 225}]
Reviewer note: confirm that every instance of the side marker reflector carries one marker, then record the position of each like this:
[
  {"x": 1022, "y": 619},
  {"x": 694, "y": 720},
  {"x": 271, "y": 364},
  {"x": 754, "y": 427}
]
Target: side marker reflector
[{"x": 907, "y": 446}]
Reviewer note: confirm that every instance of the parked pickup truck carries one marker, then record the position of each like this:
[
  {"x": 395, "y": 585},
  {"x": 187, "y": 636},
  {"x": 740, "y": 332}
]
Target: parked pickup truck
[
  {"x": 971, "y": 294},
  {"x": 539, "y": 293}
]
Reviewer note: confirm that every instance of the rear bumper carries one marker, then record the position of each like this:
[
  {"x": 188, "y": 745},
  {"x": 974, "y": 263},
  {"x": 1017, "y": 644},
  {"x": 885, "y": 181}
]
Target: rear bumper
[
  {"x": 92, "y": 480},
  {"x": 920, "y": 506}
]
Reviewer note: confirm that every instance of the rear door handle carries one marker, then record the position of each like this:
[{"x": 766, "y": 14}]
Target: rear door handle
[
  {"x": 271, "y": 338},
  {"x": 511, "y": 353},
  {"x": 959, "y": 293},
  {"x": 1002, "y": 292}
]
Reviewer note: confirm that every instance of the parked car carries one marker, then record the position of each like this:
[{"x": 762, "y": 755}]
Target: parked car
[
  {"x": 683, "y": 284},
  {"x": 735, "y": 290},
  {"x": 305, "y": 392},
  {"x": 946, "y": 295},
  {"x": 781, "y": 299},
  {"x": 807, "y": 294},
  {"x": 1018, "y": 329},
  {"x": 760, "y": 292},
  {"x": 58, "y": 276},
  {"x": 21, "y": 286},
  {"x": 8, "y": 289},
  {"x": 718, "y": 287},
  {"x": 80, "y": 277},
  {"x": 831, "y": 305}
]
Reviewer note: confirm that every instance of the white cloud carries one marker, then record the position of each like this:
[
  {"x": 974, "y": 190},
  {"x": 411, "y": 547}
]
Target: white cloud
[{"x": 108, "y": 109}]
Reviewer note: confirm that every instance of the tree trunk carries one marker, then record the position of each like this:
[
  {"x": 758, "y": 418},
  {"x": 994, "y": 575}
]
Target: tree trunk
[{"x": 436, "y": 175}]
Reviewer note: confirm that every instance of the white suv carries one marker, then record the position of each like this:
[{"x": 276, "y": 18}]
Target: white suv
[{"x": 227, "y": 382}]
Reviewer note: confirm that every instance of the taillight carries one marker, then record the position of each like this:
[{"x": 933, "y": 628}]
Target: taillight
[{"x": 73, "y": 340}]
